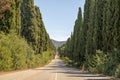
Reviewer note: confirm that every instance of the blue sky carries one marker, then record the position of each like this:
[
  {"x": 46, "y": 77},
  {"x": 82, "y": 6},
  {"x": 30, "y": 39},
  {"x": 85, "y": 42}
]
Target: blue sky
[{"x": 59, "y": 16}]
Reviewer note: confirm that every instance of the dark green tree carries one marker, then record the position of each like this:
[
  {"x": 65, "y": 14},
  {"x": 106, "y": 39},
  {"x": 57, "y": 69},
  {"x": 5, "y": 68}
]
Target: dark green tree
[{"x": 11, "y": 21}]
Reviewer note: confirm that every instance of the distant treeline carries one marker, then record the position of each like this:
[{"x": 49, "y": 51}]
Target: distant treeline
[
  {"x": 24, "y": 42},
  {"x": 95, "y": 41}
]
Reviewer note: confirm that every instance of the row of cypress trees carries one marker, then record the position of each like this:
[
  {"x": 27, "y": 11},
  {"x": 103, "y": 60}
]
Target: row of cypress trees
[
  {"x": 24, "y": 42},
  {"x": 95, "y": 41}
]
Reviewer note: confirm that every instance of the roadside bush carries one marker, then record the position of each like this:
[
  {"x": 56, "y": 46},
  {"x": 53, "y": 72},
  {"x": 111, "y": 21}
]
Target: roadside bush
[
  {"x": 14, "y": 52},
  {"x": 44, "y": 58},
  {"x": 67, "y": 61},
  {"x": 105, "y": 63},
  {"x": 5, "y": 59},
  {"x": 117, "y": 71},
  {"x": 47, "y": 56}
]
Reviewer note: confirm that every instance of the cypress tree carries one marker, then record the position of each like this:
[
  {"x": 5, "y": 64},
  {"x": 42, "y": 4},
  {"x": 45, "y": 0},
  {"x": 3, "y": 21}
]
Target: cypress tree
[
  {"x": 85, "y": 24},
  {"x": 11, "y": 22},
  {"x": 29, "y": 26},
  {"x": 77, "y": 33},
  {"x": 89, "y": 47},
  {"x": 96, "y": 43},
  {"x": 33, "y": 29},
  {"x": 25, "y": 19},
  {"x": 43, "y": 40},
  {"x": 114, "y": 23}
]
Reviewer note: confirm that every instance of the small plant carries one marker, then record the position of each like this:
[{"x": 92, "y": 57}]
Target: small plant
[{"x": 117, "y": 72}]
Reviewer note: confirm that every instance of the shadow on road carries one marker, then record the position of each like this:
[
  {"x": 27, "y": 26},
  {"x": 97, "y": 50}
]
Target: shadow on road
[
  {"x": 59, "y": 67},
  {"x": 43, "y": 69}
]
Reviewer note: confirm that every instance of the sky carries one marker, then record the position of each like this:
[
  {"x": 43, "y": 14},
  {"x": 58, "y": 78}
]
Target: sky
[{"x": 59, "y": 16}]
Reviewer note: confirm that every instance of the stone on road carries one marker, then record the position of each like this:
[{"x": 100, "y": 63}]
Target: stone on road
[{"x": 56, "y": 70}]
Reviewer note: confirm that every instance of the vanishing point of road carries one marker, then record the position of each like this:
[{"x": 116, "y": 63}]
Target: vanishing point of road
[{"x": 56, "y": 70}]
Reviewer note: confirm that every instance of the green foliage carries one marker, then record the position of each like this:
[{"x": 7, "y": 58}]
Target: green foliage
[
  {"x": 44, "y": 58},
  {"x": 29, "y": 28},
  {"x": 24, "y": 42},
  {"x": 67, "y": 61},
  {"x": 13, "y": 50},
  {"x": 95, "y": 42},
  {"x": 61, "y": 50},
  {"x": 47, "y": 56},
  {"x": 71, "y": 49},
  {"x": 16, "y": 54},
  {"x": 117, "y": 72},
  {"x": 33, "y": 29},
  {"x": 5, "y": 58},
  {"x": 104, "y": 63},
  {"x": 11, "y": 21}
]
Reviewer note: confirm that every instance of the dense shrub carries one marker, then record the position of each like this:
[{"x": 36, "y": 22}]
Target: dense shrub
[
  {"x": 117, "y": 71},
  {"x": 47, "y": 56},
  {"x": 105, "y": 63},
  {"x": 44, "y": 58},
  {"x": 5, "y": 59},
  {"x": 23, "y": 20},
  {"x": 14, "y": 52}
]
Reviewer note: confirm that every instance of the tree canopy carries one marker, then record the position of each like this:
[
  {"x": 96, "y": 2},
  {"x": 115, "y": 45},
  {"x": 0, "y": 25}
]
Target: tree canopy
[
  {"x": 24, "y": 41},
  {"x": 95, "y": 41}
]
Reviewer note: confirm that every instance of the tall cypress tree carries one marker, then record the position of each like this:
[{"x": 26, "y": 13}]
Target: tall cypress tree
[
  {"x": 72, "y": 47},
  {"x": 33, "y": 29},
  {"x": 29, "y": 26},
  {"x": 97, "y": 43},
  {"x": 11, "y": 21},
  {"x": 89, "y": 10},
  {"x": 114, "y": 23},
  {"x": 77, "y": 33},
  {"x": 43, "y": 40}
]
